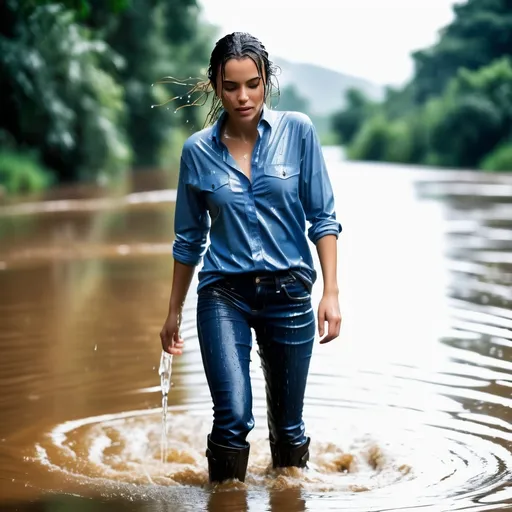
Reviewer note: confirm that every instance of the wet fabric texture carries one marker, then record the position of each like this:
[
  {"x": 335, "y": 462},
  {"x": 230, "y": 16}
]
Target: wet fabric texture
[
  {"x": 256, "y": 224},
  {"x": 278, "y": 307}
]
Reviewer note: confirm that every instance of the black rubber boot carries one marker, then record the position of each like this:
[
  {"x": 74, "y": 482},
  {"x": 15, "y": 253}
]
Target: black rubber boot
[
  {"x": 285, "y": 456},
  {"x": 226, "y": 463}
]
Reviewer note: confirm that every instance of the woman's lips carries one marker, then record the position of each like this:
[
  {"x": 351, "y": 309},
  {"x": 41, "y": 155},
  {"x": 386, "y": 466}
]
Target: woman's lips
[{"x": 244, "y": 110}]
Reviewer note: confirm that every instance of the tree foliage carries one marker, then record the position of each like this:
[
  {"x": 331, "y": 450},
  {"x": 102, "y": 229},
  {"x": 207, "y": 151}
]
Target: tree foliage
[
  {"x": 347, "y": 123},
  {"x": 76, "y": 81},
  {"x": 457, "y": 109},
  {"x": 480, "y": 33}
]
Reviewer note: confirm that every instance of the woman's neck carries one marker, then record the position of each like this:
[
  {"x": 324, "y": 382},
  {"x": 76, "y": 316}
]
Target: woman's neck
[{"x": 241, "y": 131}]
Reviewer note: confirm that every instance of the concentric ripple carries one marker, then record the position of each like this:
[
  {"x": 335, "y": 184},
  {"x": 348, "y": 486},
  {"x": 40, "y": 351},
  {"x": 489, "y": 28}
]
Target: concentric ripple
[{"x": 377, "y": 461}]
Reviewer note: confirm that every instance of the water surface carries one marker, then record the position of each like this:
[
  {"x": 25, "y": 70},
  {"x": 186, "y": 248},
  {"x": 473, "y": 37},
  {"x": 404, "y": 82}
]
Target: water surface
[{"x": 409, "y": 408}]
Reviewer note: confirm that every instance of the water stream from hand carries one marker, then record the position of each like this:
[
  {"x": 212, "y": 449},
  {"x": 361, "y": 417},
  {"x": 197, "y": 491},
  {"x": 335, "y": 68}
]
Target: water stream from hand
[{"x": 165, "y": 385}]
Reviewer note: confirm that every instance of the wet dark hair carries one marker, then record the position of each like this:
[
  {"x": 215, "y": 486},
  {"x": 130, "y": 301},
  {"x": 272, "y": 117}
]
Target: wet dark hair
[{"x": 238, "y": 45}]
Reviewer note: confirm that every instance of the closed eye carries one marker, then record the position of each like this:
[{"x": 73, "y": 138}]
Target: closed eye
[{"x": 253, "y": 83}]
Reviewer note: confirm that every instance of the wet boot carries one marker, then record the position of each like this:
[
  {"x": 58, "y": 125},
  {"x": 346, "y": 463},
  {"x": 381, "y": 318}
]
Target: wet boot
[
  {"x": 285, "y": 456},
  {"x": 225, "y": 463}
]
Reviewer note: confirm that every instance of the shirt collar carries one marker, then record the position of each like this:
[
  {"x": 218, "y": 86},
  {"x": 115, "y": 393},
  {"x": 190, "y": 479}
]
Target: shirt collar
[{"x": 267, "y": 117}]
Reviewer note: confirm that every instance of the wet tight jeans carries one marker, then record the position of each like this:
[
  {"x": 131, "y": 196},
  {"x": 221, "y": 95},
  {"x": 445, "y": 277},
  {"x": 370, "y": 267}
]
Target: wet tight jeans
[{"x": 278, "y": 308}]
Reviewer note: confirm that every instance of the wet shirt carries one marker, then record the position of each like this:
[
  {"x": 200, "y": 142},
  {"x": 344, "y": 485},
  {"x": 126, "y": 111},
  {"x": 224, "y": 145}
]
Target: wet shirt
[{"x": 262, "y": 224}]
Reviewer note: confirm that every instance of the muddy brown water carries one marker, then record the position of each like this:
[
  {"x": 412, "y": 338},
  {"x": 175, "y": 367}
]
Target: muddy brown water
[{"x": 409, "y": 408}]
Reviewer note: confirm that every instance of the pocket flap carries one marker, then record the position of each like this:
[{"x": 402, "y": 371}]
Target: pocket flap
[
  {"x": 283, "y": 171},
  {"x": 215, "y": 180}
]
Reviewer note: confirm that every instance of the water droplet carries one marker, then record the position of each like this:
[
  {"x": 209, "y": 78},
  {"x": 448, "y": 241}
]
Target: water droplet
[
  {"x": 95, "y": 347},
  {"x": 175, "y": 111},
  {"x": 153, "y": 106},
  {"x": 187, "y": 120},
  {"x": 188, "y": 96},
  {"x": 152, "y": 85}
]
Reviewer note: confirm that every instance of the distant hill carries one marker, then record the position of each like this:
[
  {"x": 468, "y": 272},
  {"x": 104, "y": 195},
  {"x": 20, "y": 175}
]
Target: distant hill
[{"x": 323, "y": 88}]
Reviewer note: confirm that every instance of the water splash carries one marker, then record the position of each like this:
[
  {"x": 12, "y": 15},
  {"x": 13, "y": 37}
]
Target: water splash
[{"x": 165, "y": 384}]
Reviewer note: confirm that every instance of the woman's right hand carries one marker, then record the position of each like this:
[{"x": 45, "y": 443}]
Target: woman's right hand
[{"x": 172, "y": 343}]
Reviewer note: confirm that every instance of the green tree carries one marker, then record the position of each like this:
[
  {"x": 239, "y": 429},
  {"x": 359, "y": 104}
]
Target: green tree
[
  {"x": 76, "y": 82},
  {"x": 347, "y": 123},
  {"x": 469, "y": 128},
  {"x": 457, "y": 109},
  {"x": 477, "y": 115},
  {"x": 56, "y": 96},
  {"x": 480, "y": 32},
  {"x": 156, "y": 38}
]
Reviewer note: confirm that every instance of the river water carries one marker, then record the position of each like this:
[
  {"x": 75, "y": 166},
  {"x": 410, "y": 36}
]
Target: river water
[{"x": 410, "y": 408}]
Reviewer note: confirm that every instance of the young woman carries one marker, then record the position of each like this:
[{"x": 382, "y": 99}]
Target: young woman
[{"x": 251, "y": 181}]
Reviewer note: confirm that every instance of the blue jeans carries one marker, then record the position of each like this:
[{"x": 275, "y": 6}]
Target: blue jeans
[{"x": 278, "y": 307}]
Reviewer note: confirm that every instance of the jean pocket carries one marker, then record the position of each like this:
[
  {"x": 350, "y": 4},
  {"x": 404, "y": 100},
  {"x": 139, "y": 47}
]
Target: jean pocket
[
  {"x": 296, "y": 291},
  {"x": 300, "y": 275}
]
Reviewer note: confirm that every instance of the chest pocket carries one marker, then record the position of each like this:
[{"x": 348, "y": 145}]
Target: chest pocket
[
  {"x": 216, "y": 190},
  {"x": 213, "y": 181},
  {"x": 282, "y": 183}
]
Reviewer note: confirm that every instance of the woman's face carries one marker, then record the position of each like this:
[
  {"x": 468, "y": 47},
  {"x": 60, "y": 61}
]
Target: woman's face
[{"x": 242, "y": 91}]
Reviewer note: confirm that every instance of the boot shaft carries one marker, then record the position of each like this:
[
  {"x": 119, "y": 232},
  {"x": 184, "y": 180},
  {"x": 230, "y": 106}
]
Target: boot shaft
[
  {"x": 225, "y": 463},
  {"x": 285, "y": 455}
]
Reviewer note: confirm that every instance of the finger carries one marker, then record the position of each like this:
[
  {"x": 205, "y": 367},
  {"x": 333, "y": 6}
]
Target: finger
[
  {"x": 176, "y": 338},
  {"x": 321, "y": 323},
  {"x": 177, "y": 344},
  {"x": 333, "y": 331},
  {"x": 167, "y": 348},
  {"x": 325, "y": 340},
  {"x": 175, "y": 351}
]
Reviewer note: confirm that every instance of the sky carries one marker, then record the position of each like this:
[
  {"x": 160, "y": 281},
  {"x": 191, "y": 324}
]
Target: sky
[{"x": 371, "y": 39}]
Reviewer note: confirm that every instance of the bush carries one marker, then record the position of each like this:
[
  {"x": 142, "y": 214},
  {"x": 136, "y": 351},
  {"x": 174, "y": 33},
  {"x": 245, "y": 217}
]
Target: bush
[
  {"x": 371, "y": 141},
  {"x": 470, "y": 127},
  {"x": 20, "y": 173},
  {"x": 498, "y": 160},
  {"x": 383, "y": 140}
]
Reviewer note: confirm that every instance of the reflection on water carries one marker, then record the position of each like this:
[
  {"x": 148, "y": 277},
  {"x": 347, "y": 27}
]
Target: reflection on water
[{"x": 411, "y": 407}]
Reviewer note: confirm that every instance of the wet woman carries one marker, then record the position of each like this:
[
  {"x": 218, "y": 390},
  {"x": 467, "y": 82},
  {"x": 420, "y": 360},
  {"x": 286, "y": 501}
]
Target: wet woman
[{"x": 251, "y": 181}]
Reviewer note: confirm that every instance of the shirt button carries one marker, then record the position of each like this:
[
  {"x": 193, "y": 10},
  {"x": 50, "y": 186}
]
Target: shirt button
[
  {"x": 257, "y": 280},
  {"x": 284, "y": 173},
  {"x": 213, "y": 186}
]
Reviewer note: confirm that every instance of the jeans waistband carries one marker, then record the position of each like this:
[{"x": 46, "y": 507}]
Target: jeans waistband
[
  {"x": 268, "y": 278},
  {"x": 261, "y": 278}
]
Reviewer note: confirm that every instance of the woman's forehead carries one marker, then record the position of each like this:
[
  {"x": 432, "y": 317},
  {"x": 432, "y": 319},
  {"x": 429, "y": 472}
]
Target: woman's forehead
[{"x": 240, "y": 70}]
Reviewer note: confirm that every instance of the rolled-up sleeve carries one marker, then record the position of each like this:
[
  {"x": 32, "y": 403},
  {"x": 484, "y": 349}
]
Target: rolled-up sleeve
[
  {"x": 316, "y": 190},
  {"x": 191, "y": 220}
]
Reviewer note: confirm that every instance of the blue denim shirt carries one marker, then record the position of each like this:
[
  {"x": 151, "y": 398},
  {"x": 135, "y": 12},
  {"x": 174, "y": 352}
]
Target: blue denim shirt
[{"x": 259, "y": 224}]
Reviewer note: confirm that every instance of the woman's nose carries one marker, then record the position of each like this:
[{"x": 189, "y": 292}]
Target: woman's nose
[{"x": 243, "y": 96}]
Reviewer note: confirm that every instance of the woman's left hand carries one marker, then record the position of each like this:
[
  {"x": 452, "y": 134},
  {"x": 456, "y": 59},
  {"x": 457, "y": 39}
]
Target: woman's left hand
[{"x": 329, "y": 311}]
